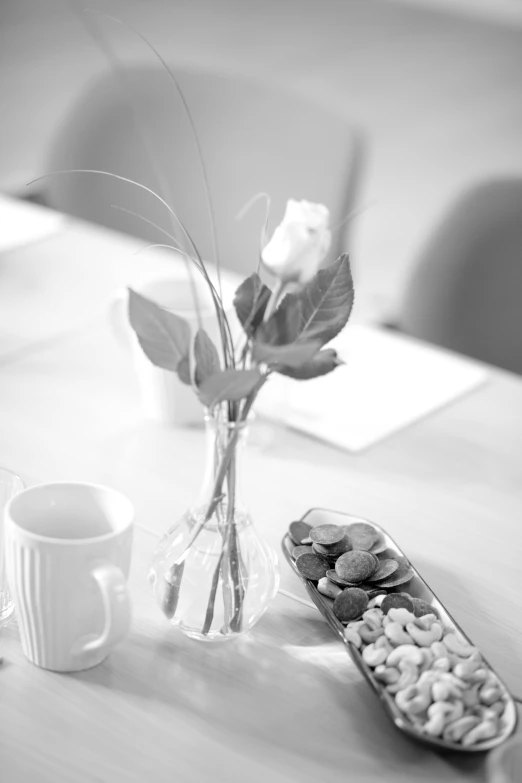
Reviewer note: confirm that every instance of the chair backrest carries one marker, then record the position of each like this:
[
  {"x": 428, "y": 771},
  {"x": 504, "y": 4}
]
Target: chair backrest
[
  {"x": 254, "y": 138},
  {"x": 466, "y": 290}
]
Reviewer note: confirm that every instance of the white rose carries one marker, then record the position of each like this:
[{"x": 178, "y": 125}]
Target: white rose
[{"x": 299, "y": 243}]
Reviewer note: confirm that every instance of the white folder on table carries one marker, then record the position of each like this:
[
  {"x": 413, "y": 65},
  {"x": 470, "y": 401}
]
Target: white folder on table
[{"x": 389, "y": 381}]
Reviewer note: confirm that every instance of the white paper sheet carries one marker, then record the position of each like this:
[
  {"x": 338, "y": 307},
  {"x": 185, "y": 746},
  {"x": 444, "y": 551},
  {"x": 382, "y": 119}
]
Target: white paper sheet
[
  {"x": 389, "y": 381},
  {"x": 22, "y": 222}
]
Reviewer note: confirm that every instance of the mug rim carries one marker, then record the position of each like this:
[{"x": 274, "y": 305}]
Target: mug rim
[
  {"x": 141, "y": 288},
  {"x": 125, "y": 525},
  {"x": 6, "y": 472}
]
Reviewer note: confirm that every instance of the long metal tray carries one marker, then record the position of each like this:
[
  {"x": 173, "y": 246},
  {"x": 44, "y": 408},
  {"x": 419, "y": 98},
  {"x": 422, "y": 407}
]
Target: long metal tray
[{"x": 417, "y": 587}]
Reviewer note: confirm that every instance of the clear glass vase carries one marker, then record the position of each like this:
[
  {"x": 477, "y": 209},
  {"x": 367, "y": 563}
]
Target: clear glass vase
[{"x": 212, "y": 575}]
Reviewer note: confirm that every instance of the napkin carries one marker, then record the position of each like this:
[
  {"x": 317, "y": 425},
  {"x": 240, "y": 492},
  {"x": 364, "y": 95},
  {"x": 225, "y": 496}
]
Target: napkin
[{"x": 389, "y": 381}]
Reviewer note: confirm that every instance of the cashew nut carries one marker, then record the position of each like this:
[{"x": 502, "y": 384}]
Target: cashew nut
[
  {"x": 479, "y": 676},
  {"x": 456, "y": 711},
  {"x": 441, "y": 664},
  {"x": 455, "y": 681},
  {"x": 465, "y": 668},
  {"x": 437, "y": 720},
  {"x": 412, "y": 699},
  {"x": 427, "y": 679},
  {"x": 377, "y": 601},
  {"x": 427, "y": 662},
  {"x": 485, "y": 730},
  {"x": 491, "y": 678},
  {"x": 425, "y": 621},
  {"x": 458, "y": 645},
  {"x": 374, "y": 656},
  {"x": 439, "y": 650},
  {"x": 400, "y": 615},
  {"x": 446, "y": 687},
  {"x": 441, "y": 691},
  {"x": 424, "y": 638},
  {"x": 489, "y": 694},
  {"x": 498, "y": 708},
  {"x": 387, "y": 674},
  {"x": 440, "y": 713},
  {"x": 352, "y": 636},
  {"x": 373, "y": 618},
  {"x": 328, "y": 588},
  {"x": 382, "y": 643},
  {"x": 409, "y": 676},
  {"x": 455, "y": 730},
  {"x": 396, "y": 634},
  {"x": 431, "y": 672},
  {"x": 369, "y": 635},
  {"x": 405, "y": 651},
  {"x": 470, "y": 696},
  {"x": 484, "y": 713}
]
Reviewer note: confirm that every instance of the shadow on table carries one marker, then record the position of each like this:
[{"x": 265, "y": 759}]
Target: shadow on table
[{"x": 288, "y": 686}]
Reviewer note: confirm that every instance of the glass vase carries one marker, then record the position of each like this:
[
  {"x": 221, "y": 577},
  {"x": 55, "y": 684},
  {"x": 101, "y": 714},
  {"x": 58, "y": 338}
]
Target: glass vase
[{"x": 212, "y": 575}]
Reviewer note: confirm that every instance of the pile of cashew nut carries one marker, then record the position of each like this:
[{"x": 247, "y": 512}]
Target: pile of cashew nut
[{"x": 437, "y": 679}]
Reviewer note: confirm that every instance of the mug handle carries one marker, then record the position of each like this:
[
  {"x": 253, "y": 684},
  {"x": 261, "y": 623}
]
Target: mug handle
[{"x": 116, "y": 603}]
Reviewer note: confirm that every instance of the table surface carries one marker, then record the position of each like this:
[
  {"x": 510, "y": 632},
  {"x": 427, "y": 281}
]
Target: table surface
[{"x": 284, "y": 702}]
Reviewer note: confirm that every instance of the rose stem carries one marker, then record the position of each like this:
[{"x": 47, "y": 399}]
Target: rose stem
[
  {"x": 172, "y": 587},
  {"x": 209, "y": 616},
  {"x": 176, "y": 572},
  {"x": 232, "y": 549}
]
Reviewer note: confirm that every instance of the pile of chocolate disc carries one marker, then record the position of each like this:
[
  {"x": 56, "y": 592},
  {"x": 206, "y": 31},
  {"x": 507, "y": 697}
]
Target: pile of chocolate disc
[{"x": 352, "y": 559}]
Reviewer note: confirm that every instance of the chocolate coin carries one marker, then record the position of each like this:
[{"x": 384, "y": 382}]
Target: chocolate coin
[
  {"x": 312, "y": 566},
  {"x": 396, "y": 601},
  {"x": 334, "y": 577},
  {"x": 299, "y": 530},
  {"x": 301, "y": 550},
  {"x": 384, "y": 569},
  {"x": 379, "y": 546},
  {"x": 350, "y": 604},
  {"x": 355, "y": 566},
  {"x": 339, "y": 548},
  {"x": 391, "y": 554},
  {"x": 326, "y": 534},
  {"x": 420, "y": 608},
  {"x": 332, "y": 559},
  {"x": 362, "y": 535},
  {"x": 402, "y": 575}
]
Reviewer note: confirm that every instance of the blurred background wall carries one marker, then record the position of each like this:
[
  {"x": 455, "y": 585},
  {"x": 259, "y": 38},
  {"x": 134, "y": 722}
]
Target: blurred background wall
[{"x": 435, "y": 87}]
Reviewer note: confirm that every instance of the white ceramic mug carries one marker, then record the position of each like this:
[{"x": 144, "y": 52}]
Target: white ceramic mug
[
  {"x": 10, "y": 485},
  {"x": 165, "y": 398},
  {"x": 68, "y": 550}
]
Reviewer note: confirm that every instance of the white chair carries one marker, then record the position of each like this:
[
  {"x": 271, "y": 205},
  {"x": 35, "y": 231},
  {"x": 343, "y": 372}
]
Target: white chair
[{"x": 254, "y": 138}]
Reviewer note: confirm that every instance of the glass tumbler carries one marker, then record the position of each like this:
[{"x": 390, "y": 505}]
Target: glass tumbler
[{"x": 10, "y": 485}]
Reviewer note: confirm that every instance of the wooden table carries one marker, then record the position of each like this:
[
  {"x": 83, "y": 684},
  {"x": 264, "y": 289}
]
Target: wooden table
[{"x": 285, "y": 702}]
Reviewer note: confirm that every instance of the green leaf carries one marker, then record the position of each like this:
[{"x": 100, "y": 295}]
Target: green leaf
[
  {"x": 207, "y": 357},
  {"x": 184, "y": 371},
  {"x": 283, "y": 325},
  {"x": 163, "y": 336},
  {"x": 325, "y": 304},
  {"x": 293, "y": 355},
  {"x": 250, "y": 301},
  {"x": 228, "y": 385},
  {"x": 322, "y": 363}
]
